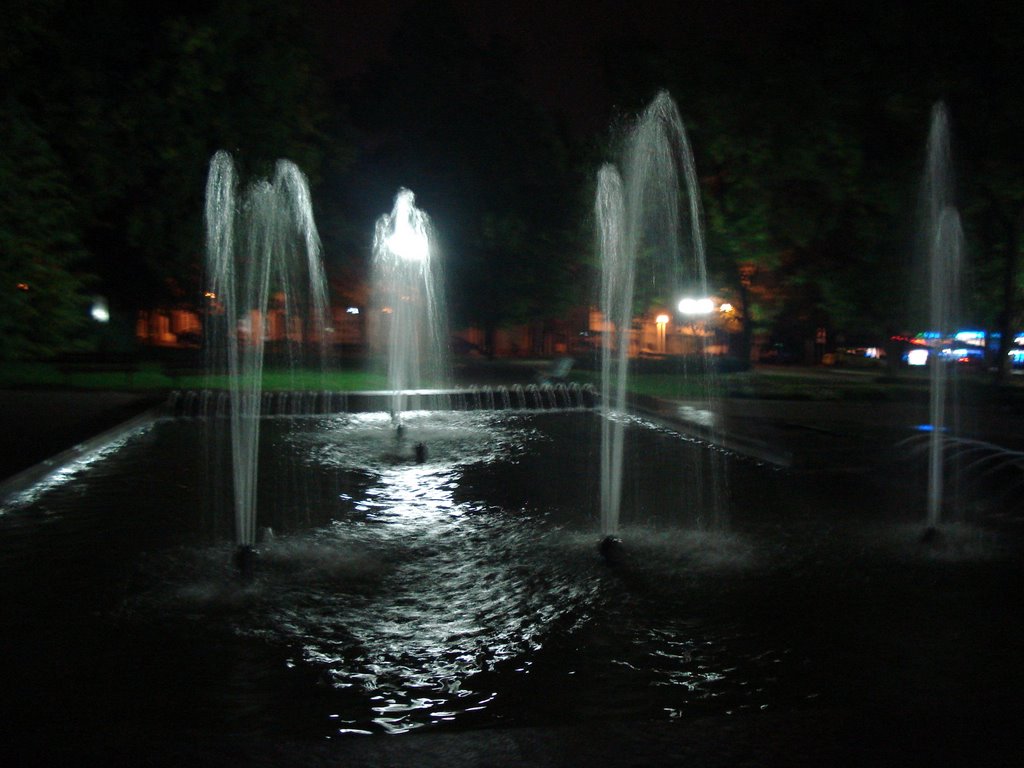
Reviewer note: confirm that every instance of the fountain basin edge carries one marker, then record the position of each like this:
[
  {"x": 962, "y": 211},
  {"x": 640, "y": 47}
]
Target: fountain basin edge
[{"x": 19, "y": 483}]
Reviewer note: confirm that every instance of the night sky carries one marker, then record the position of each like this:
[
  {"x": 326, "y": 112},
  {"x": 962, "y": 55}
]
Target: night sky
[{"x": 560, "y": 43}]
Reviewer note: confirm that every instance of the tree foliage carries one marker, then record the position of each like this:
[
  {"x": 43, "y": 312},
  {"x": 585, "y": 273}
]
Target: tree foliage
[
  {"x": 132, "y": 101},
  {"x": 810, "y": 131},
  {"x": 42, "y": 305}
]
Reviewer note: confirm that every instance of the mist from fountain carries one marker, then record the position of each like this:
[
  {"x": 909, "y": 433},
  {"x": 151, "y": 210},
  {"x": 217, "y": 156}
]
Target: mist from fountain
[
  {"x": 408, "y": 317},
  {"x": 263, "y": 266},
  {"x": 942, "y": 237},
  {"x": 642, "y": 224}
]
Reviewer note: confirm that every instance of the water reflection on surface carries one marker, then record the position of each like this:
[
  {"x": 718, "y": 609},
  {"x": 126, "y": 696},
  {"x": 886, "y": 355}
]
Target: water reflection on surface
[
  {"x": 466, "y": 590},
  {"x": 450, "y": 588}
]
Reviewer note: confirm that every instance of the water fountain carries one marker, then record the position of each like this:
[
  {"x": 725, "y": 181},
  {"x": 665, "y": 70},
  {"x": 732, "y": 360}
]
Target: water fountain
[
  {"x": 263, "y": 267},
  {"x": 409, "y": 323},
  {"x": 943, "y": 244},
  {"x": 641, "y": 224},
  {"x": 461, "y": 595}
]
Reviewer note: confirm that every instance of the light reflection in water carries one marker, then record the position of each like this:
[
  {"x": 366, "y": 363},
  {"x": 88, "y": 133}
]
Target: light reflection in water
[
  {"x": 417, "y": 593},
  {"x": 68, "y": 473},
  {"x": 459, "y": 588}
]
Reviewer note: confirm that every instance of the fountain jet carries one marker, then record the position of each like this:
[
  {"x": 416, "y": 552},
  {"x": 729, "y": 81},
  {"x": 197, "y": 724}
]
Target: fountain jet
[
  {"x": 643, "y": 217},
  {"x": 942, "y": 237},
  {"x": 264, "y": 281},
  {"x": 408, "y": 321}
]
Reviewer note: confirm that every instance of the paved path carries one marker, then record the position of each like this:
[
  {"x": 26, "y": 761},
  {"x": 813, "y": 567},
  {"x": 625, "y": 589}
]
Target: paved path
[{"x": 854, "y": 436}]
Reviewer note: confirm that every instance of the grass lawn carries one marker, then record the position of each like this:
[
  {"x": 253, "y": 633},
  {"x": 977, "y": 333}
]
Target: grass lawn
[
  {"x": 783, "y": 383},
  {"x": 669, "y": 385},
  {"x": 152, "y": 375}
]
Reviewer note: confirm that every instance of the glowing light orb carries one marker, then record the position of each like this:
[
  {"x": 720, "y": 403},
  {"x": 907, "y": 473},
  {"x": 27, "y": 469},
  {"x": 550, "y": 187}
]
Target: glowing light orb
[
  {"x": 100, "y": 313},
  {"x": 408, "y": 238},
  {"x": 696, "y": 306},
  {"x": 917, "y": 357}
]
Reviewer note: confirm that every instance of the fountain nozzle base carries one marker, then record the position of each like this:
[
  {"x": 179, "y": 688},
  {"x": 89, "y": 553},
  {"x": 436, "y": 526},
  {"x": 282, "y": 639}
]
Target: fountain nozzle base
[
  {"x": 612, "y": 550},
  {"x": 931, "y": 536},
  {"x": 245, "y": 561}
]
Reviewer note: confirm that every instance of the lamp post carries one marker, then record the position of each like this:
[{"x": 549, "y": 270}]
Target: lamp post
[{"x": 662, "y": 322}]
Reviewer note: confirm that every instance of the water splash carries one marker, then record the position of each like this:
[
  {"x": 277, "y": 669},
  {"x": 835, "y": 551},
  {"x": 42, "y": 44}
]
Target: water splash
[{"x": 265, "y": 282}]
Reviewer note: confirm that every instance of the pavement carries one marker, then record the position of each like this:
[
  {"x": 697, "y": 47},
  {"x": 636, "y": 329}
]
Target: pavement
[{"x": 812, "y": 435}]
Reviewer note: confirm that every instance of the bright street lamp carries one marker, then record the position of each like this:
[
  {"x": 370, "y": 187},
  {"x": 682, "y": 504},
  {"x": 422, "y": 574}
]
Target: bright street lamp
[
  {"x": 408, "y": 237},
  {"x": 696, "y": 306},
  {"x": 662, "y": 322},
  {"x": 99, "y": 310}
]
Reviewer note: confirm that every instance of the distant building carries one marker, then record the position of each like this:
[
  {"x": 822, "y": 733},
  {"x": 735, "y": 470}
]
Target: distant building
[
  {"x": 163, "y": 327},
  {"x": 582, "y": 331}
]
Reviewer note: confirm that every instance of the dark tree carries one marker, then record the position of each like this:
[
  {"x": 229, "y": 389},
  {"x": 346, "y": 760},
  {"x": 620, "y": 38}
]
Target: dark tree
[
  {"x": 809, "y": 130},
  {"x": 42, "y": 305},
  {"x": 134, "y": 99}
]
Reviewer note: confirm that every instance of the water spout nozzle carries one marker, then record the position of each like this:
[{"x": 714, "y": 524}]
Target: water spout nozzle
[
  {"x": 245, "y": 561},
  {"x": 932, "y": 536},
  {"x": 611, "y": 550}
]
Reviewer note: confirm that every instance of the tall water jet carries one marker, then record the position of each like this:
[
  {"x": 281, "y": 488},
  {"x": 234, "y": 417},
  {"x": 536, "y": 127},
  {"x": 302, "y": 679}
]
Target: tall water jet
[
  {"x": 408, "y": 320},
  {"x": 942, "y": 242},
  {"x": 645, "y": 258},
  {"x": 265, "y": 283},
  {"x": 617, "y": 275}
]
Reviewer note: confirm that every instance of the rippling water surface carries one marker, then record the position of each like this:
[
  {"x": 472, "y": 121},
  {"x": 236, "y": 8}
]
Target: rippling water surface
[{"x": 466, "y": 590}]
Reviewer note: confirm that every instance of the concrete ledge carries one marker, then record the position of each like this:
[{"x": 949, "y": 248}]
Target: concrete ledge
[
  {"x": 22, "y": 481},
  {"x": 666, "y": 413}
]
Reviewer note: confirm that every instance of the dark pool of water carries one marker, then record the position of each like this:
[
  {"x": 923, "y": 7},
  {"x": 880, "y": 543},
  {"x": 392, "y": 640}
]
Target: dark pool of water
[{"x": 466, "y": 592}]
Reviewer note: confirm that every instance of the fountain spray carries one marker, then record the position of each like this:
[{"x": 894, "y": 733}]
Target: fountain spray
[{"x": 263, "y": 265}]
